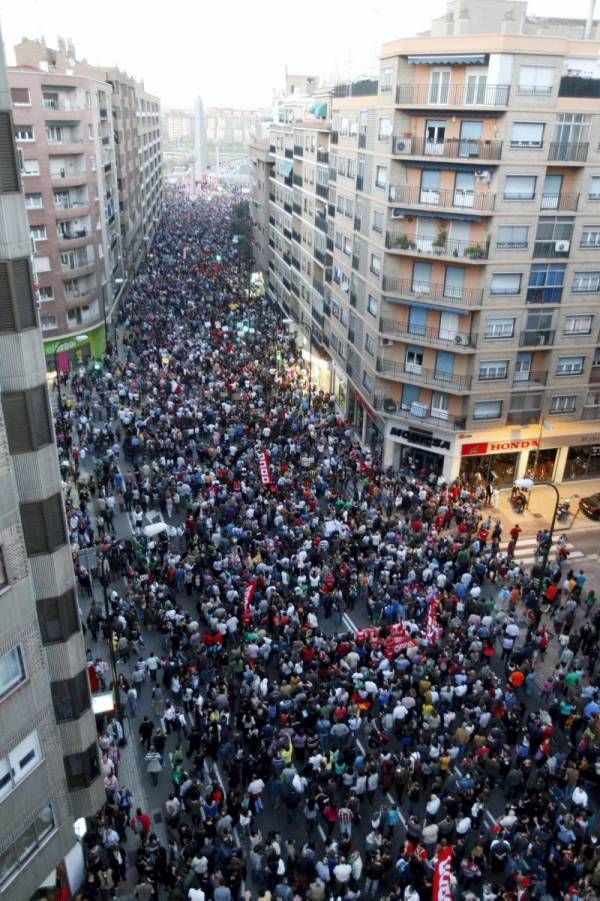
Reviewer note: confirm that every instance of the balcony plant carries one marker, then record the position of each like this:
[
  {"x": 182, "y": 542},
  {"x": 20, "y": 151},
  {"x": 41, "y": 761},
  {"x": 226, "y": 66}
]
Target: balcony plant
[
  {"x": 441, "y": 239},
  {"x": 476, "y": 252},
  {"x": 403, "y": 242}
]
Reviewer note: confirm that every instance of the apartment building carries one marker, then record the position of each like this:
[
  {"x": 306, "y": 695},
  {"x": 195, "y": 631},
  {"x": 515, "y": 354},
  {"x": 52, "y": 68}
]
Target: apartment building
[
  {"x": 460, "y": 211},
  {"x": 128, "y": 174},
  {"x": 178, "y": 126},
  {"x": 49, "y": 766},
  {"x": 260, "y": 173}
]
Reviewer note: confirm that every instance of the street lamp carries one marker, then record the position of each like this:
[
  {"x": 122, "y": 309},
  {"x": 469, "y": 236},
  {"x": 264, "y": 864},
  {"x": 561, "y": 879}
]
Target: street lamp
[
  {"x": 63, "y": 345},
  {"x": 528, "y": 484}
]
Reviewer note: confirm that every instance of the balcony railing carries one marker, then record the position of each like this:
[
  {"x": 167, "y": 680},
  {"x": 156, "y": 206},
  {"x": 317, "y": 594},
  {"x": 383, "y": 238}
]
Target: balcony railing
[
  {"x": 298, "y": 150},
  {"x": 446, "y": 337},
  {"x": 405, "y": 287},
  {"x": 72, "y": 235},
  {"x": 332, "y": 174},
  {"x": 408, "y": 372},
  {"x": 297, "y": 180},
  {"x": 591, "y": 412},
  {"x": 362, "y": 140},
  {"x": 469, "y": 200},
  {"x": 289, "y": 153},
  {"x": 451, "y": 147},
  {"x": 552, "y": 294},
  {"x": 453, "y": 95},
  {"x": 595, "y": 375},
  {"x": 537, "y": 338},
  {"x": 68, "y": 106},
  {"x": 529, "y": 379},
  {"x": 523, "y": 417},
  {"x": 568, "y": 151},
  {"x": 323, "y": 156},
  {"x": 469, "y": 250},
  {"x": 322, "y": 191},
  {"x": 360, "y": 182},
  {"x": 321, "y": 223},
  {"x": 550, "y": 250},
  {"x": 419, "y": 412},
  {"x": 366, "y": 87},
  {"x": 559, "y": 201}
]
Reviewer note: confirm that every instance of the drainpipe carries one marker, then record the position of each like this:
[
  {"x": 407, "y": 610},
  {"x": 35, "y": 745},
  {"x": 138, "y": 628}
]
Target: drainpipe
[{"x": 590, "y": 20}]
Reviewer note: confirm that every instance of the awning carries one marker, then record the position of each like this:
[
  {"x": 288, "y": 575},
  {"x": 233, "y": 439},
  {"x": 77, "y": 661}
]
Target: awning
[
  {"x": 453, "y": 167},
  {"x": 456, "y": 59},
  {"x": 438, "y": 214},
  {"x": 286, "y": 167}
]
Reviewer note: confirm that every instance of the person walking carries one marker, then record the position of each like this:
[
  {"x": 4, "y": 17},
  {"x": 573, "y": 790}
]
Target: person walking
[{"x": 154, "y": 764}]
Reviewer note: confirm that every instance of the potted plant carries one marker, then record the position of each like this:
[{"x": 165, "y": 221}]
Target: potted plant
[
  {"x": 476, "y": 251},
  {"x": 441, "y": 239}
]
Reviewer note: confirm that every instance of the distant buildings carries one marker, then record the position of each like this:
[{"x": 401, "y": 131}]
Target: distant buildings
[{"x": 89, "y": 142}]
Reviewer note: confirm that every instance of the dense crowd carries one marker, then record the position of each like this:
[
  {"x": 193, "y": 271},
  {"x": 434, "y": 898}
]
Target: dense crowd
[{"x": 247, "y": 683}]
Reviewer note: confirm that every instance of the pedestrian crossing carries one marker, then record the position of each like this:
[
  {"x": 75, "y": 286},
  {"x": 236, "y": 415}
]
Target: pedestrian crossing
[{"x": 526, "y": 547}]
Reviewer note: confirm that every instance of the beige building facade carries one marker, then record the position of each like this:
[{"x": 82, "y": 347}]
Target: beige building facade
[{"x": 448, "y": 251}]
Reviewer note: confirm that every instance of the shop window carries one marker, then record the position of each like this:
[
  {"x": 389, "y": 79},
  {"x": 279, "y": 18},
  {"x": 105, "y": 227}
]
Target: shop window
[{"x": 583, "y": 462}]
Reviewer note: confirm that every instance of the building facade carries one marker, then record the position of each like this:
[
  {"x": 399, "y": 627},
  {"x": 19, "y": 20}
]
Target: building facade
[
  {"x": 128, "y": 173},
  {"x": 446, "y": 255},
  {"x": 49, "y": 767},
  {"x": 261, "y": 168},
  {"x": 178, "y": 126}
]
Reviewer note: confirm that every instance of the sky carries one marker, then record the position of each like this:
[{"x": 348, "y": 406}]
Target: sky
[{"x": 230, "y": 52}]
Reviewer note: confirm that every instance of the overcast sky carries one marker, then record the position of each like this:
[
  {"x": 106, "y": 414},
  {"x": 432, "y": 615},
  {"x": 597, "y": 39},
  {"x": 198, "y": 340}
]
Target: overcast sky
[{"x": 231, "y": 52}]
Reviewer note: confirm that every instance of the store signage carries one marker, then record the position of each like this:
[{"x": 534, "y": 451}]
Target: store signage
[
  {"x": 496, "y": 447},
  {"x": 571, "y": 440},
  {"x": 422, "y": 438}
]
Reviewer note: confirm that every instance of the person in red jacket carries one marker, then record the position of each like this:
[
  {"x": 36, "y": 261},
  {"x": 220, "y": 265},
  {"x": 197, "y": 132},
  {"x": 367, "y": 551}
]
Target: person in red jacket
[{"x": 141, "y": 823}]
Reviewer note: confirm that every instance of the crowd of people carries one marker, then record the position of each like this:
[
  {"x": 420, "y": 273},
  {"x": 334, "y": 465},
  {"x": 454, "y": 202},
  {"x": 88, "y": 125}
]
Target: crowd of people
[{"x": 437, "y": 725}]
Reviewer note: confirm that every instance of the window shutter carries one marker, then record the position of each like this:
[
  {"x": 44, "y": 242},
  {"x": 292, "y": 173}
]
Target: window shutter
[
  {"x": 23, "y": 294},
  {"x": 7, "y": 312},
  {"x": 71, "y": 697},
  {"x": 40, "y": 416},
  {"x": 9, "y": 173},
  {"x": 34, "y": 528},
  {"x": 58, "y": 617},
  {"x": 16, "y": 420},
  {"x": 55, "y": 522}
]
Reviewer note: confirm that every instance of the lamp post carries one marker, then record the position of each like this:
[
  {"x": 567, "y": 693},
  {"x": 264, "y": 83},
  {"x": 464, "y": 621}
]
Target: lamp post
[
  {"x": 528, "y": 484},
  {"x": 63, "y": 345}
]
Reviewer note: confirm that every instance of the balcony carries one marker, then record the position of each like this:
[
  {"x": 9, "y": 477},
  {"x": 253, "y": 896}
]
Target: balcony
[
  {"x": 419, "y": 412},
  {"x": 551, "y": 250},
  {"x": 296, "y": 236},
  {"x": 332, "y": 174},
  {"x": 321, "y": 223},
  {"x": 467, "y": 200},
  {"x": 568, "y": 152},
  {"x": 73, "y": 234},
  {"x": 330, "y": 209},
  {"x": 455, "y": 95},
  {"x": 537, "y": 338},
  {"x": 335, "y": 137},
  {"x": 595, "y": 375},
  {"x": 360, "y": 183},
  {"x": 405, "y": 287},
  {"x": 353, "y": 298},
  {"x": 463, "y": 250},
  {"x": 559, "y": 201},
  {"x": 523, "y": 417},
  {"x": 548, "y": 294},
  {"x": 298, "y": 150},
  {"x": 362, "y": 140},
  {"x": 68, "y": 177},
  {"x": 287, "y": 207},
  {"x": 287, "y": 233},
  {"x": 592, "y": 412},
  {"x": 456, "y": 148},
  {"x": 409, "y": 372},
  {"x": 355, "y": 261},
  {"x": 366, "y": 87},
  {"x": 297, "y": 208},
  {"x": 529, "y": 379},
  {"x": 322, "y": 191},
  {"x": 272, "y": 148},
  {"x": 323, "y": 157},
  {"x": 428, "y": 335},
  {"x": 319, "y": 255},
  {"x": 297, "y": 180},
  {"x": 289, "y": 153}
]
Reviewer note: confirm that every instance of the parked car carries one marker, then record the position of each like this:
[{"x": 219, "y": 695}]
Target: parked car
[{"x": 590, "y": 506}]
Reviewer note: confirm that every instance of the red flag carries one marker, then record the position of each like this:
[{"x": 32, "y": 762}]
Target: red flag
[
  {"x": 248, "y": 595},
  {"x": 442, "y": 876},
  {"x": 264, "y": 468}
]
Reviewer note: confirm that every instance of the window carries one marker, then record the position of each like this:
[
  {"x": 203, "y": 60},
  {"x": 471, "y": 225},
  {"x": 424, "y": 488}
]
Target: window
[
  {"x": 487, "y": 409},
  {"x": 375, "y": 266},
  {"x": 347, "y": 246},
  {"x": 25, "y": 845},
  {"x": 378, "y": 222},
  {"x": 500, "y": 328},
  {"x": 493, "y": 369},
  {"x": 48, "y": 322},
  {"x": 505, "y": 283},
  {"x": 30, "y": 167},
  {"x": 81, "y": 769},
  {"x": 17, "y": 310},
  {"x": 27, "y": 419},
  {"x": 380, "y": 176},
  {"x": 367, "y": 381},
  {"x": 370, "y": 344},
  {"x": 34, "y": 201},
  {"x": 570, "y": 365},
  {"x": 519, "y": 187},
  {"x": 590, "y": 236},
  {"x": 586, "y": 282},
  {"x": 3, "y": 572},
  {"x": 45, "y": 294},
  {"x": 527, "y": 134},
  {"x": 578, "y": 325},
  {"x": 58, "y": 617},
  {"x": 71, "y": 697},
  {"x": 20, "y": 96},
  {"x": 38, "y": 232},
  {"x": 594, "y": 193},
  {"x": 24, "y": 133},
  {"x": 12, "y": 671},
  {"x": 536, "y": 80},
  {"x": 513, "y": 237},
  {"x": 18, "y": 763},
  {"x": 43, "y": 525},
  {"x": 546, "y": 283},
  {"x": 372, "y": 305},
  {"x": 384, "y": 129},
  {"x": 563, "y": 403},
  {"x": 41, "y": 264},
  {"x": 385, "y": 82}
]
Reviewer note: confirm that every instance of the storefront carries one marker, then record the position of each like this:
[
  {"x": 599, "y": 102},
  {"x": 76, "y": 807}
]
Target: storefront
[
  {"x": 583, "y": 462},
  {"x": 541, "y": 464},
  {"x": 418, "y": 450},
  {"x": 495, "y": 461}
]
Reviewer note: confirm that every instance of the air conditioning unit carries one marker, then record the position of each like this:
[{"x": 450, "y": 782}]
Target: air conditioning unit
[
  {"x": 562, "y": 246},
  {"x": 483, "y": 175},
  {"x": 397, "y": 214},
  {"x": 403, "y": 145},
  {"x": 386, "y": 342},
  {"x": 461, "y": 339}
]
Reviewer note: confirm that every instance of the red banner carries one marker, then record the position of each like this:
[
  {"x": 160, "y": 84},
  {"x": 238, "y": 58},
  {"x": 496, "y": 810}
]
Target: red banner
[
  {"x": 248, "y": 595},
  {"x": 264, "y": 468},
  {"x": 396, "y": 640},
  {"x": 442, "y": 876}
]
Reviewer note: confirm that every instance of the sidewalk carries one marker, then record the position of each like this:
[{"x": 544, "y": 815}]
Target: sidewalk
[{"x": 542, "y": 499}]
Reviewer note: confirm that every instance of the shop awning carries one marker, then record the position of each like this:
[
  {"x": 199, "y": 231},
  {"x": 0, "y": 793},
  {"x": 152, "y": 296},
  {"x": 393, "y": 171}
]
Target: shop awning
[
  {"x": 445, "y": 59},
  {"x": 459, "y": 217},
  {"x": 286, "y": 168}
]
